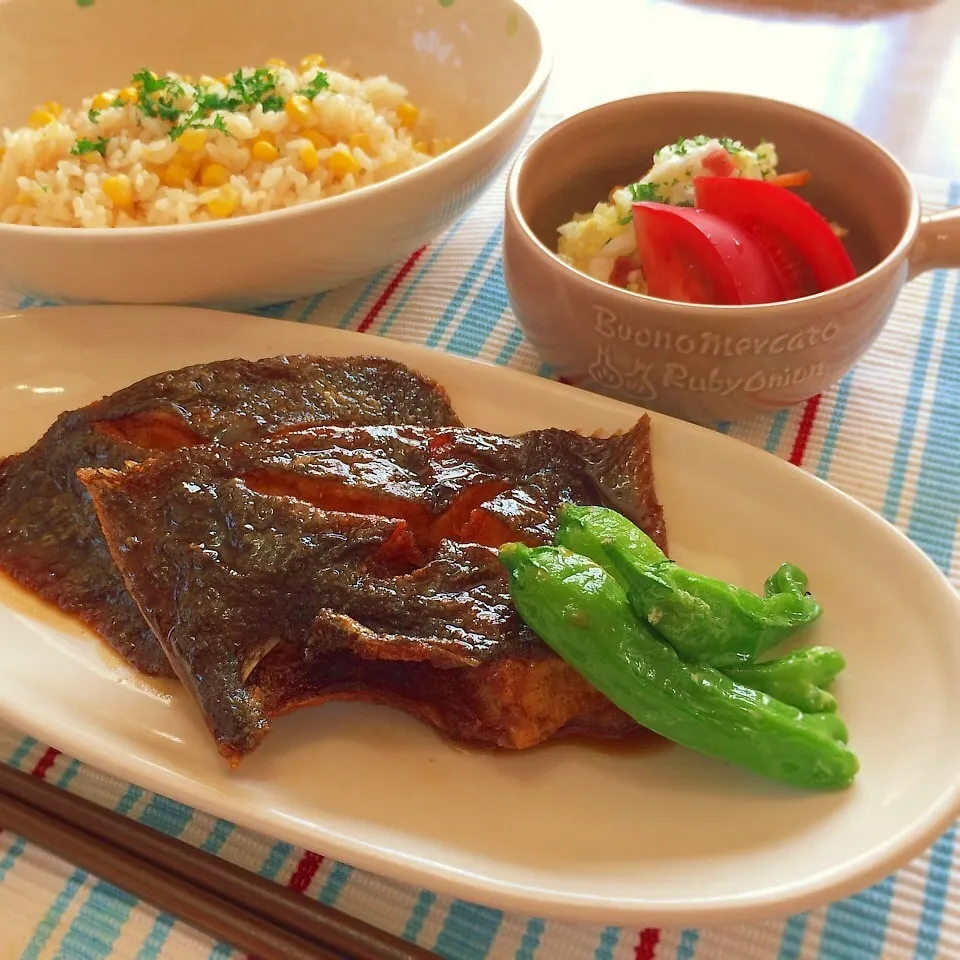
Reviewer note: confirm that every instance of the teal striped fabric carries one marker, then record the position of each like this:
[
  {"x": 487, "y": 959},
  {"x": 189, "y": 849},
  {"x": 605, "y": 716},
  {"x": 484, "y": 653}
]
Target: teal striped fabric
[{"x": 888, "y": 435}]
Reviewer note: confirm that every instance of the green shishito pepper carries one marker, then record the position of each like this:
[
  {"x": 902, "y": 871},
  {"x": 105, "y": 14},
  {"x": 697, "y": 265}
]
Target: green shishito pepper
[
  {"x": 704, "y": 619},
  {"x": 582, "y": 613},
  {"x": 800, "y": 678}
]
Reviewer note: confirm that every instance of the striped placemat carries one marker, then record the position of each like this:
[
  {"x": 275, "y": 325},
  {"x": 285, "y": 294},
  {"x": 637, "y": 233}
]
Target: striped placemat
[{"x": 888, "y": 435}]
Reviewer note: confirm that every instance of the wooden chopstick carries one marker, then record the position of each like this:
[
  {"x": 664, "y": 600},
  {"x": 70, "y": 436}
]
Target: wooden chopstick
[
  {"x": 225, "y": 900},
  {"x": 194, "y": 905}
]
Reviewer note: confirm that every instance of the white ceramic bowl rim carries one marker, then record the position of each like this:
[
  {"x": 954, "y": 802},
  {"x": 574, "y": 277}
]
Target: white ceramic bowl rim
[
  {"x": 140, "y": 234},
  {"x": 626, "y": 296}
]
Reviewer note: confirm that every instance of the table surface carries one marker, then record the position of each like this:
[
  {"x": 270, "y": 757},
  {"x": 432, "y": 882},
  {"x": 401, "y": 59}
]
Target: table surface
[{"x": 890, "y": 68}]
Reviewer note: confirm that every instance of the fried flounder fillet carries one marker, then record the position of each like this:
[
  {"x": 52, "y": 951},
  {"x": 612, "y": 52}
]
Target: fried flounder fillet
[
  {"x": 50, "y": 539},
  {"x": 360, "y": 564}
]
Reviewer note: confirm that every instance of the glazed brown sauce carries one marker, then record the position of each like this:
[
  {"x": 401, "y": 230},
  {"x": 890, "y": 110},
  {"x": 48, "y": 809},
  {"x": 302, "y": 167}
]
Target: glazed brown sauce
[
  {"x": 51, "y": 540},
  {"x": 25, "y": 602},
  {"x": 637, "y": 743},
  {"x": 463, "y": 521},
  {"x": 28, "y": 604},
  {"x": 153, "y": 430}
]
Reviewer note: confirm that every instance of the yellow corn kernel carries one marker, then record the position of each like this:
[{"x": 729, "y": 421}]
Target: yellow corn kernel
[
  {"x": 263, "y": 149},
  {"x": 225, "y": 80},
  {"x": 118, "y": 189},
  {"x": 178, "y": 172},
  {"x": 341, "y": 162},
  {"x": 224, "y": 203},
  {"x": 408, "y": 114},
  {"x": 276, "y": 62},
  {"x": 312, "y": 60},
  {"x": 308, "y": 157},
  {"x": 317, "y": 139},
  {"x": 192, "y": 140},
  {"x": 129, "y": 94},
  {"x": 206, "y": 80},
  {"x": 101, "y": 101},
  {"x": 40, "y": 118},
  {"x": 51, "y": 106},
  {"x": 361, "y": 141},
  {"x": 214, "y": 175},
  {"x": 421, "y": 146},
  {"x": 299, "y": 109},
  {"x": 24, "y": 198}
]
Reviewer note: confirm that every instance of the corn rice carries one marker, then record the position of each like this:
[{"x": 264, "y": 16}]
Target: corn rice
[{"x": 157, "y": 153}]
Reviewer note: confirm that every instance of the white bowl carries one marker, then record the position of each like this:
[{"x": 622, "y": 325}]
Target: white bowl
[{"x": 479, "y": 66}]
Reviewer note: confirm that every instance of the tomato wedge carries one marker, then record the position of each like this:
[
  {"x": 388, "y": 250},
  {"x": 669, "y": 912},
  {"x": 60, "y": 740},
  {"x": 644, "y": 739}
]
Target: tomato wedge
[
  {"x": 806, "y": 254},
  {"x": 697, "y": 257}
]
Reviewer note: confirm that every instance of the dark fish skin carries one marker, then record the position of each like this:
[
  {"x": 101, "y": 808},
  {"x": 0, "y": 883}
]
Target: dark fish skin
[
  {"x": 360, "y": 563},
  {"x": 50, "y": 538}
]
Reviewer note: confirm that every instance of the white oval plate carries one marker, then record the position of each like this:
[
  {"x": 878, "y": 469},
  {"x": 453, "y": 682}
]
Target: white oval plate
[{"x": 666, "y": 837}]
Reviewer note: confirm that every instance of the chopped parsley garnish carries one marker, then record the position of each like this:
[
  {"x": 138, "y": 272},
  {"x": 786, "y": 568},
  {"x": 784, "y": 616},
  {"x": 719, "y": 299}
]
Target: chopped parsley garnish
[
  {"x": 84, "y": 146},
  {"x": 158, "y": 96},
  {"x": 93, "y": 115},
  {"x": 208, "y": 100},
  {"x": 641, "y": 193},
  {"x": 272, "y": 104},
  {"x": 161, "y": 98},
  {"x": 259, "y": 87},
  {"x": 644, "y": 193},
  {"x": 318, "y": 83},
  {"x": 254, "y": 88},
  {"x": 148, "y": 81},
  {"x": 192, "y": 120},
  {"x": 700, "y": 140},
  {"x": 731, "y": 146},
  {"x": 680, "y": 147},
  {"x": 197, "y": 119}
]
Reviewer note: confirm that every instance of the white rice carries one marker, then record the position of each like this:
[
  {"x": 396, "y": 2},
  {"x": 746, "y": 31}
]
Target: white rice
[
  {"x": 593, "y": 242},
  {"x": 43, "y": 182}
]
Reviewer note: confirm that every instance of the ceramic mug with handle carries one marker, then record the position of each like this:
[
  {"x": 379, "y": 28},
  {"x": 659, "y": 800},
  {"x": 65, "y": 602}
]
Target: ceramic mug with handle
[{"x": 698, "y": 361}]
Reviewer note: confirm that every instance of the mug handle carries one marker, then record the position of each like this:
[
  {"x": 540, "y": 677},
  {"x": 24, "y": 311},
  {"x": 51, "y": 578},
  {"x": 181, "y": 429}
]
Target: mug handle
[{"x": 937, "y": 244}]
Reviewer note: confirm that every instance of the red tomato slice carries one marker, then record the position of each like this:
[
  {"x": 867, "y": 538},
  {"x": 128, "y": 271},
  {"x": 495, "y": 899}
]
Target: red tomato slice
[
  {"x": 696, "y": 257},
  {"x": 806, "y": 254}
]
